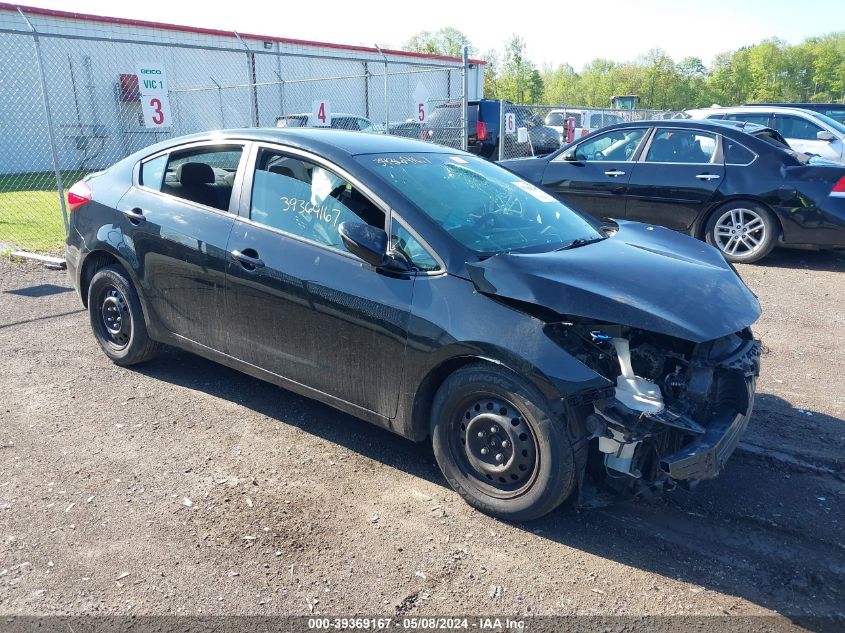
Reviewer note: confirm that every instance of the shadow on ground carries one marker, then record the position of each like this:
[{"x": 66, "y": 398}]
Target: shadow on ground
[
  {"x": 830, "y": 261},
  {"x": 754, "y": 533}
]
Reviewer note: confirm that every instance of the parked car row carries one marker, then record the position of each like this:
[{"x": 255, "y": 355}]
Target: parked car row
[
  {"x": 737, "y": 185},
  {"x": 808, "y": 131}
]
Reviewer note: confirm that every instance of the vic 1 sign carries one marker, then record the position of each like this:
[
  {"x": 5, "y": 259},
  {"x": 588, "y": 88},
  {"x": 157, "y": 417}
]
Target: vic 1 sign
[{"x": 155, "y": 103}]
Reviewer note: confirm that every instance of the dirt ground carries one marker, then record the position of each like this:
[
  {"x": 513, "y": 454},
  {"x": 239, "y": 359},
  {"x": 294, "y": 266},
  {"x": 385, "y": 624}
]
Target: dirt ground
[{"x": 183, "y": 487}]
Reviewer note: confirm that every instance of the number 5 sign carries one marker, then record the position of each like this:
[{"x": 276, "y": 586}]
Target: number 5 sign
[
  {"x": 321, "y": 113},
  {"x": 419, "y": 109},
  {"x": 155, "y": 103}
]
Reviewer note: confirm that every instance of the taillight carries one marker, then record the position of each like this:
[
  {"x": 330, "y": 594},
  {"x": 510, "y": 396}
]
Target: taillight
[
  {"x": 481, "y": 130},
  {"x": 78, "y": 195},
  {"x": 839, "y": 187}
]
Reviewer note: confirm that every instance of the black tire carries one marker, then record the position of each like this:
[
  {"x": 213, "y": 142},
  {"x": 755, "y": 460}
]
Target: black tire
[
  {"x": 117, "y": 319},
  {"x": 743, "y": 231},
  {"x": 519, "y": 415}
]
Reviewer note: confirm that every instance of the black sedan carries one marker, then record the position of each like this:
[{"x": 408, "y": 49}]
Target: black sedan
[
  {"x": 740, "y": 187},
  {"x": 430, "y": 292}
]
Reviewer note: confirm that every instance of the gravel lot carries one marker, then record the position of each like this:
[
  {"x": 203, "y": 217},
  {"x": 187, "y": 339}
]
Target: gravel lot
[{"x": 182, "y": 487}]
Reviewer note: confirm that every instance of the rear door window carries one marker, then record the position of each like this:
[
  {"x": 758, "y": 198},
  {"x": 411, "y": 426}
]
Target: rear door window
[
  {"x": 203, "y": 175},
  {"x": 760, "y": 119},
  {"x": 795, "y": 127},
  {"x": 681, "y": 146}
]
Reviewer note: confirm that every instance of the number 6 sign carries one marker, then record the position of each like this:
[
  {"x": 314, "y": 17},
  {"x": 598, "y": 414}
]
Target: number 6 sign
[{"x": 510, "y": 123}]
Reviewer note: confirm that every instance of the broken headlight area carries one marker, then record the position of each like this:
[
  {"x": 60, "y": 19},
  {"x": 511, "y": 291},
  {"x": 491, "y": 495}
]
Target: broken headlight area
[{"x": 678, "y": 408}]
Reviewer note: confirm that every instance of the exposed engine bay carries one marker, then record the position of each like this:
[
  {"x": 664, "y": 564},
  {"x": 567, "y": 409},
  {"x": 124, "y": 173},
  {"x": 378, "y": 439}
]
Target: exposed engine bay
[{"x": 677, "y": 408}]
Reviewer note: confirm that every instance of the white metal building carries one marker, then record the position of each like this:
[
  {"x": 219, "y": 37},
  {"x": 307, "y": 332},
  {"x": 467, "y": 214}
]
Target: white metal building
[{"x": 217, "y": 79}]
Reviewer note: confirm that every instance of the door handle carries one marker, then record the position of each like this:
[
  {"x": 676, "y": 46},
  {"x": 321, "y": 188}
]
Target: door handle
[
  {"x": 248, "y": 262},
  {"x": 707, "y": 176},
  {"x": 613, "y": 173},
  {"x": 135, "y": 215}
]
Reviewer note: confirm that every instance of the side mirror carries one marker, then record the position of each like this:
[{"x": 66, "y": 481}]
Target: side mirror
[
  {"x": 365, "y": 241},
  {"x": 569, "y": 155},
  {"x": 824, "y": 135}
]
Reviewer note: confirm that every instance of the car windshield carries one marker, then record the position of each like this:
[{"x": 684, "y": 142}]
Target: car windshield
[{"x": 486, "y": 208}]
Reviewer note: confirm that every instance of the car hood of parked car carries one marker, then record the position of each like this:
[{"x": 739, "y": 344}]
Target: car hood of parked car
[{"x": 644, "y": 276}]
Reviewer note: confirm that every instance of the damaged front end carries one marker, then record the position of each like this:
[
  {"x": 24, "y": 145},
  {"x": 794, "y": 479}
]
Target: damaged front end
[
  {"x": 666, "y": 321},
  {"x": 679, "y": 408}
]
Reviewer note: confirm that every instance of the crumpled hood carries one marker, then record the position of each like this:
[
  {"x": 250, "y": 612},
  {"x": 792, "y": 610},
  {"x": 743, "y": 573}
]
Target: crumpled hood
[{"x": 646, "y": 277}]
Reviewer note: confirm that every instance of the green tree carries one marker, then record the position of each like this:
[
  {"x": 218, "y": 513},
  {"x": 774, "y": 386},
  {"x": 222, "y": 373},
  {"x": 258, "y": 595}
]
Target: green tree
[
  {"x": 519, "y": 80},
  {"x": 447, "y": 41}
]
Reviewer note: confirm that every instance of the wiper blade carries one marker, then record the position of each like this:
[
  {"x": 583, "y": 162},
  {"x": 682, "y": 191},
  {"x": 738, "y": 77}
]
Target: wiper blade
[{"x": 581, "y": 241}]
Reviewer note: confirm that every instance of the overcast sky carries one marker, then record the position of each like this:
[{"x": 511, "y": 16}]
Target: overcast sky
[{"x": 555, "y": 32}]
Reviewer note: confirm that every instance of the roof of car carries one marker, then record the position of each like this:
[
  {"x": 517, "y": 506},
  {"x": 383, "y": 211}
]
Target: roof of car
[
  {"x": 325, "y": 141},
  {"x": 755, "y": 108},
  {"x": 308, "y": 114}
]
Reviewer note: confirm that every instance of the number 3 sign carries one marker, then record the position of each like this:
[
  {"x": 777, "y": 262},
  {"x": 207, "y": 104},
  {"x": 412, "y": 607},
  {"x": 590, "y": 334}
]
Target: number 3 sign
[{"x": 155, "y": 103}]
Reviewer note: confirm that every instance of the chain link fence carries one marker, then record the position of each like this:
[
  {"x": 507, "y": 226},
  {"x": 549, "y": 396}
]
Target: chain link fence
[
  {"x": 534, "y": 130},
  {"x": 74, "y": 102}
]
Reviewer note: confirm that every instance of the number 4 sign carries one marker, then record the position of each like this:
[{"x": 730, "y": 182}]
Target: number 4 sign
[
  {"x": 155, "y": 103},
  {"x": 321, "y": 113}
]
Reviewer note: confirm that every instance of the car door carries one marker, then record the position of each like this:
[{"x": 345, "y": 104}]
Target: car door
[
  {"x": 802, "y": 135},
  {"x": 593, "y": 175},
  {"x": 676, "y": 177},
  {"x": 298, "y": 304},
  {"x": 180, "y": 209}
]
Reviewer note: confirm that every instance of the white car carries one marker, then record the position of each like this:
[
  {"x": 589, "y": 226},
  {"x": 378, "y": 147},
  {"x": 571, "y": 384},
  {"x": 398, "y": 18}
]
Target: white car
[
  {"x": 585, "y": 121},
  {"x": 805, "y": 131},
  {"x": 339, "y": 121}
]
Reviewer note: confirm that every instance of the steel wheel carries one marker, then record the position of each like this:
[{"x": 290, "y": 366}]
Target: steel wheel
[
  {"x": 495, "y": 446},
  {"x": 115, "y": 316},
  {"x": 740, "y": 232}
]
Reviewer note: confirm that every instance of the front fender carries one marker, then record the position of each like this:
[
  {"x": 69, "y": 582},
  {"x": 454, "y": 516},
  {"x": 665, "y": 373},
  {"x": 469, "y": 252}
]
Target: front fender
[{"x": 452, "y": 325}]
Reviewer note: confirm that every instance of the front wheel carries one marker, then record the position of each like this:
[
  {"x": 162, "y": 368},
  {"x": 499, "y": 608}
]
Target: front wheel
[
  {"x": 117, "y": 320},
  {"x": 743, "y": 231},
  {"x": 499, "y": 445}
]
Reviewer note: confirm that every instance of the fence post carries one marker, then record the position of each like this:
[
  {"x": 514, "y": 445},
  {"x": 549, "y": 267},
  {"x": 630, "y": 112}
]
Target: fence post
[
  {"x": 48, "y": 114},
  {"x": 386, "y": 94},
  {"x": 250, "y": 68},
  {"x": 281, "y": 92},
  {"x": 502, "y": 131},
  {"x": 464, "y": 99},
  {"x": 220, "y": 101}
]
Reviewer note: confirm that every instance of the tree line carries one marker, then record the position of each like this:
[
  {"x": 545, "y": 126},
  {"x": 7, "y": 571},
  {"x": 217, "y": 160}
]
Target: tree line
[{"x": 772, "y": 70}]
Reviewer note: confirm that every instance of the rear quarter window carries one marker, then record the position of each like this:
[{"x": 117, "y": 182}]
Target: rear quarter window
[
  {"x": 737, "y": 154},
  {"x": 152, "y": 172}
]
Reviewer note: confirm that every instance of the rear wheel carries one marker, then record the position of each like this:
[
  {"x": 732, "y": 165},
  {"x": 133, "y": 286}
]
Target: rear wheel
[
  {"x": 743, "y": 231},
  {"x": 117, "y": 320},
  {"x": 499, "y": 445}
]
